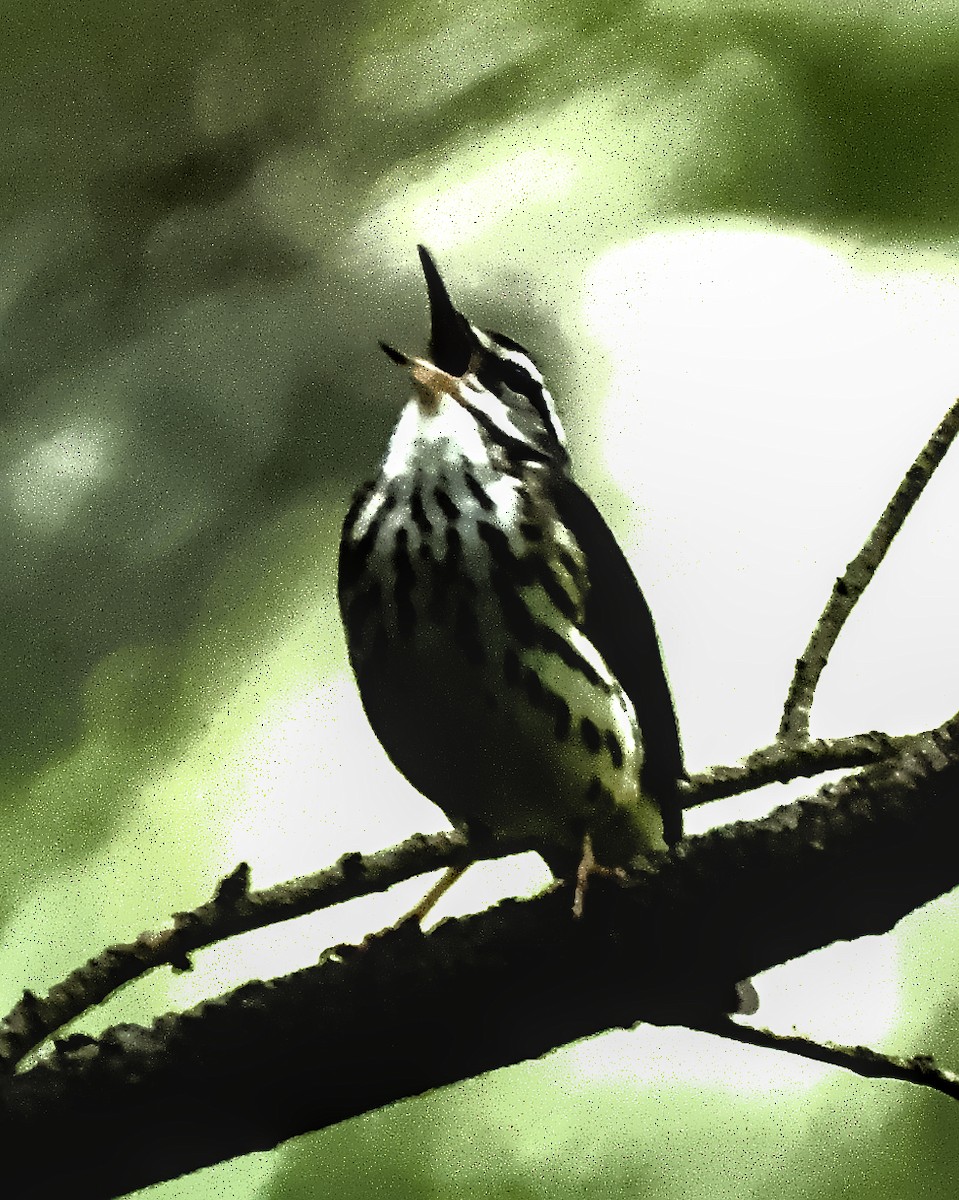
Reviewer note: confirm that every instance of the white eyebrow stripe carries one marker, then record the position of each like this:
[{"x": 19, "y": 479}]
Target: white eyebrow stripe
[
  {"x": 513, "y": 356},
  {"x": 487, "y": 404},
  {"x": 525, "y": 363},
  {"x": 558, "y": 430}
]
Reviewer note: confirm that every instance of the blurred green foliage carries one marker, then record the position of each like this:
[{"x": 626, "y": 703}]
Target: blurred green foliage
[{"x": 207, "y": 219}]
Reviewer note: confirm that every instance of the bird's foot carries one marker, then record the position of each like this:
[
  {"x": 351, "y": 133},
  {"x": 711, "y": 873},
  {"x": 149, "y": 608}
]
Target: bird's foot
[{"x": 588, "y": 866}]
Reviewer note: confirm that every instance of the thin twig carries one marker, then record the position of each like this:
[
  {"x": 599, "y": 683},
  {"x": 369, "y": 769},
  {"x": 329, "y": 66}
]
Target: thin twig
[
  {"x": 919, "y": 1069},
  {"x": 234, "y": 909},
  {"x": 783, "y": 761},
  {"x": 853, "y": 582}
]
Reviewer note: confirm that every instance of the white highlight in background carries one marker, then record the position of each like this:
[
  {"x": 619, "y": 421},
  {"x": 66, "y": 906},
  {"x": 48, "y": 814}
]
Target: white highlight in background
[{"x": 767, "y": 394}]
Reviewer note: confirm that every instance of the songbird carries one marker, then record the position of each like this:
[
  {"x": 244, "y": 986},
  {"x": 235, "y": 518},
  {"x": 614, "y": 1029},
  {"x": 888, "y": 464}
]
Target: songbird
[{"x": 504, "y": 652}]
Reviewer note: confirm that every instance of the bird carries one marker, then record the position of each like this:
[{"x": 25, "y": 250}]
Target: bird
[{"x": 504, "y": 653}]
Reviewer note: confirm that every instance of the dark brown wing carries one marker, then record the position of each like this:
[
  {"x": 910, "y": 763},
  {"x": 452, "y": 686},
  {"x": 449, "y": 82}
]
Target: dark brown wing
[{"x": 619, "y": 624}]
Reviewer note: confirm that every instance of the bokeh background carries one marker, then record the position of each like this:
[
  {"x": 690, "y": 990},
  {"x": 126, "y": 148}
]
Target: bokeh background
[{"x": 729, "y": 232}]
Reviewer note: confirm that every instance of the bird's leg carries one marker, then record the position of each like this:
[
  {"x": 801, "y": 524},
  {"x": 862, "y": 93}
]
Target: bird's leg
[
  {"x": 438, "y": 890},
  {"x": 588, "y": 865},
  {"x": 415, "y": 916}
]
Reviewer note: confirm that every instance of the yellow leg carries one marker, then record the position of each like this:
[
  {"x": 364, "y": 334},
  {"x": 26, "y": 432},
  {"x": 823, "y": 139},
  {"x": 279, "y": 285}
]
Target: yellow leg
[
  {"x": 587, "y": 865},
  {"x": 438, "y": 890}
]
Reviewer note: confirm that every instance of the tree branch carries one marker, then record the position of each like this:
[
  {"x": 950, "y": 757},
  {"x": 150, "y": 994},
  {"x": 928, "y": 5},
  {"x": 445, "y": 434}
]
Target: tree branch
[
  {"x": 920, "y": 1069},
  {"x": 853, "y": 582},
  {"x": 235, "y": 909},
  {"x": 408, "y": 1012},
  {"x": 783, "y": 761}
]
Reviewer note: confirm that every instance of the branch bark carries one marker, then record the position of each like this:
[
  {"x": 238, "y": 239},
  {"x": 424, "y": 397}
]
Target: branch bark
[
  {"x": 236, "y": 909},
  {"x": 408, "y": 1012}
]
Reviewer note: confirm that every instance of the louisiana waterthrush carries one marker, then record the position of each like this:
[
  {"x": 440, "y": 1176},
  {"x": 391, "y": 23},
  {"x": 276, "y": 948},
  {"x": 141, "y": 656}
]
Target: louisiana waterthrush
[{"x": 505, "y": 656}]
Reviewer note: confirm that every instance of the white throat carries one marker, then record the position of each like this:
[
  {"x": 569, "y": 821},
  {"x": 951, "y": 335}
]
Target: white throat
[{"x": 435, "y": 441}]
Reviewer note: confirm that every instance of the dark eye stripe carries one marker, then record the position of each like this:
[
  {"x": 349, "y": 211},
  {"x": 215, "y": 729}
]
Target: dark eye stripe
[
  {"x": 508, "y": 344},
  {"x": 521, "y": 382},
  {"x": 497, "y": 370},
  {"x": 514, "y": 447},
  {"x": 513, "y": 375}
]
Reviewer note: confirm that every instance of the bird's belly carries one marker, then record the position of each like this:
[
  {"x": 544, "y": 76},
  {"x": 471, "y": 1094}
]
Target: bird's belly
[{"x": 524, "y": 742}]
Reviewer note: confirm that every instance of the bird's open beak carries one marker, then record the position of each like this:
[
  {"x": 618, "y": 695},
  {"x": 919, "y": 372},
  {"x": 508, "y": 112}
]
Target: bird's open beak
[
  {"x": 432, "y": 383},
  {"x": 451, "y": 338},
  {"x": 452, "y": 343}
]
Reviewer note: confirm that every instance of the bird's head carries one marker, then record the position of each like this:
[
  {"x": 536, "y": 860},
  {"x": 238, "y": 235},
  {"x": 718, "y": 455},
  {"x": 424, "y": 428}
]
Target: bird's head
[{"x": 493, "y": 377}]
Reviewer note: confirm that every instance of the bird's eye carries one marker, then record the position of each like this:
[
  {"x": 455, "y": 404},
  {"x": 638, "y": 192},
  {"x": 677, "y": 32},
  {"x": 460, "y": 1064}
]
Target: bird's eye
[{"x": 515, "y": 378}]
